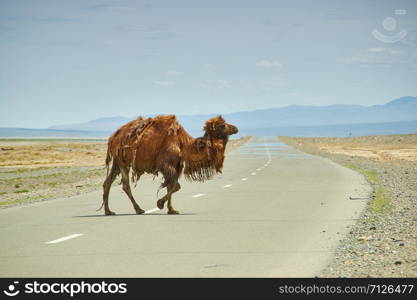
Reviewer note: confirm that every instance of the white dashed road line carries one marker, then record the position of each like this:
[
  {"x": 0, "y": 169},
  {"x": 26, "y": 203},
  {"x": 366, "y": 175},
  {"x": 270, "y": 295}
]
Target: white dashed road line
[
  {"x": 227, "y": 185},
  {"x": 253, "y": 173},
  {"x": 267, "y": 151},
  {"x": 198, "y": 195},
  {"x": 65, "y": 238},
  {"x": 151, "y": 210},
  {"x": 244, "y": 179}
]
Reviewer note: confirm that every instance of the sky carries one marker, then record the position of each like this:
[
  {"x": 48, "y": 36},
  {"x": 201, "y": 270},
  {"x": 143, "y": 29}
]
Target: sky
[{"x": 73, "y": 61}]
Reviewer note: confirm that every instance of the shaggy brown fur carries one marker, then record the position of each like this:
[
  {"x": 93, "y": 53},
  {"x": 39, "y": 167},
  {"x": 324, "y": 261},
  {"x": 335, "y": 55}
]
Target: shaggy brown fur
[{"x": 161, "y": 145}]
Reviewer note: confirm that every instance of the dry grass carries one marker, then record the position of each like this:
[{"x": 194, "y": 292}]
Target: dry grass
[
  {"x": 37, "y": 170},
  {"x": 383, "y": 148},
  {"x": 236, "y": 143},
  {"x": 51, "y": 154},
  {"x": 34, "y": 154}
]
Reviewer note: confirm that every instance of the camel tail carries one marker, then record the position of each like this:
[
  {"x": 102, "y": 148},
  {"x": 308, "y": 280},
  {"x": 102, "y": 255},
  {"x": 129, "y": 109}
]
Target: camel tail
[
  {"x": 102, "y": 204},
  {"x": 109, "y": 159}
]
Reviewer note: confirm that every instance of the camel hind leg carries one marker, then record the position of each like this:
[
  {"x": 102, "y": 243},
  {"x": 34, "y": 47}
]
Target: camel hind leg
[
  {"x": 114, "y": 171},
  {"x": 172, "y": 188},
  {"x": 126, "y": 189},
  {"x": 171, "y": 172},
  {"x": 171, "y": 209}
]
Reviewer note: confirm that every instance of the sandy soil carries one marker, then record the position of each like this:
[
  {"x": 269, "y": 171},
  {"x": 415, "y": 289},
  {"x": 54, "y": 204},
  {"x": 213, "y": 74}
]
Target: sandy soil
[
  {"x": 33, "y": 154},
  {"x": 384, "y": 148},
  {"x": 37, "y": 170}
]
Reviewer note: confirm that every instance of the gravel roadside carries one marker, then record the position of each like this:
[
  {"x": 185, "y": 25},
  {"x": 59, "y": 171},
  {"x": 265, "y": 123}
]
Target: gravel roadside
[{"x": 383, "y": 242}]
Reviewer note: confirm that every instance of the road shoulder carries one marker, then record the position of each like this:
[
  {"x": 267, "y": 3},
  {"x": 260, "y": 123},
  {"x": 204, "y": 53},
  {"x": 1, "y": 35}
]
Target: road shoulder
[{"x": 383, "y": 241}]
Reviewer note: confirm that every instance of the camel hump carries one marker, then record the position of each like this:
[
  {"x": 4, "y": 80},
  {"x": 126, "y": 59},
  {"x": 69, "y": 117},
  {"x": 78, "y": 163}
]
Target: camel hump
[
  {"x": 136, "y": 127},
  {"x": 168, "y": 123}
]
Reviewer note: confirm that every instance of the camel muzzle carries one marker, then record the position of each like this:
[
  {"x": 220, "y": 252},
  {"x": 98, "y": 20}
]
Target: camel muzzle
[{"x": 233, "y": 129}]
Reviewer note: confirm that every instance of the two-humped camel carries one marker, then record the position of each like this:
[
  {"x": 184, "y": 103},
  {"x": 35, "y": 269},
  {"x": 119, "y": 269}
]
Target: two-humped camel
[{"x": 161, "y": 145}]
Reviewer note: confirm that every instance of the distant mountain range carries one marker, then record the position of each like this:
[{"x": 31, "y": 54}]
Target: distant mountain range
[
  {"x": 399, "y": 110},
  {"x": 397, "y": 116}
]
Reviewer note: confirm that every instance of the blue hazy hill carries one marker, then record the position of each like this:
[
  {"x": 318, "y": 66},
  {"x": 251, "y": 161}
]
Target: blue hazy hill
[
  {"x": 396, "y": 116},
  {"x": 399, "y": 110}
]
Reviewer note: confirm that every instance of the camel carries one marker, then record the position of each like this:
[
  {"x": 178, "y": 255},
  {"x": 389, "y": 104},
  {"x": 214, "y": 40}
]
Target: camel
[{"x": 161, "y": 145}]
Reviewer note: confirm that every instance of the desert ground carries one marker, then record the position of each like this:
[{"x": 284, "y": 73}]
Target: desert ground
[
  {"x": 379, "y": 148},
  {"x": 383, "y": 242},
  {"x": 34, "y": 170}
]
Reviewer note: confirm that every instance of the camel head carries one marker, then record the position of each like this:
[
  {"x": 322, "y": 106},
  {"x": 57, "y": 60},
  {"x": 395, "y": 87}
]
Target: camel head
[{"x": 218, "y": 128}]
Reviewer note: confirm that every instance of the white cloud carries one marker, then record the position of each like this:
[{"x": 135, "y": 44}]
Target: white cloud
[
  {"x": 377, "y": 50},
  {"x": 222, "y": 82},
  {"x": 360, "y": 60},
  {"x": 360, "y": 82},
  {"x": 273, "y": 82},
  {"x": 264, "y": 63},
  {"x": 173, "y": 73},
  {"x": 382, "y": 57},
  {"x": 218, "y": 84},
  {"x": 164, "y": 83},
  {"x": 209, "y": 66}
]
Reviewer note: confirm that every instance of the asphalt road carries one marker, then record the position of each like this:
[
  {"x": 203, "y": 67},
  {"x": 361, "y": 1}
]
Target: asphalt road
[{"x": 273, "y": 212}]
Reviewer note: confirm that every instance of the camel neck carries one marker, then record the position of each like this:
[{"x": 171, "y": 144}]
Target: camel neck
[{"x": 203, "y": 157}]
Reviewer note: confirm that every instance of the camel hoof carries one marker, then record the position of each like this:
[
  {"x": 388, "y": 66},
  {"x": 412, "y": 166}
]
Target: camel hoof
[
  {"x": 173, "y": 212},
  {"x": 139, "y": 211},
  {"x": 109, "y": 213},
  {"x": 160, "y": 204}
]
